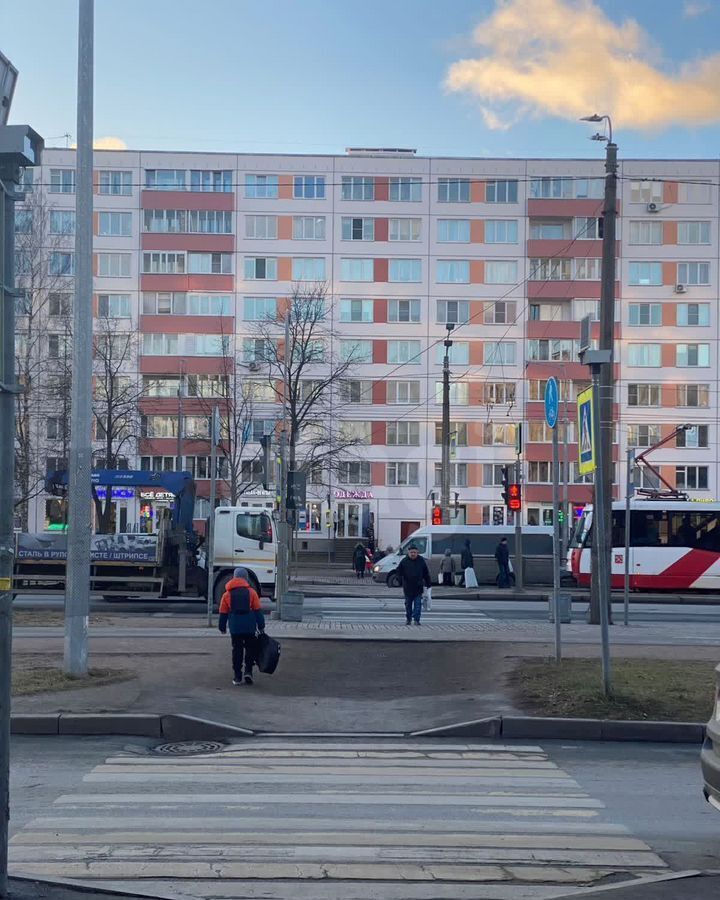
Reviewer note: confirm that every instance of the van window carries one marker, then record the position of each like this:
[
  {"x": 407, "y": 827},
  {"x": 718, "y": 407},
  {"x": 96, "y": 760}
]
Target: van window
[
  {"x": 419, "y": 541},
  {"x": 252, "y": 526}
]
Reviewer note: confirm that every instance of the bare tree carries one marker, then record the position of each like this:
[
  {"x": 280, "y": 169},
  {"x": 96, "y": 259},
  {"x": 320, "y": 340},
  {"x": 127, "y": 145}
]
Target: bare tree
[
  {"x": 44, "y": 262},
  {"x": 116, "y": 396},
  {"x": 315, "y": 376}
]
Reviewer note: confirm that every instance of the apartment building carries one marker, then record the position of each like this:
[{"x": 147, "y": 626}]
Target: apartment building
[{"x": 191, "y": 249}]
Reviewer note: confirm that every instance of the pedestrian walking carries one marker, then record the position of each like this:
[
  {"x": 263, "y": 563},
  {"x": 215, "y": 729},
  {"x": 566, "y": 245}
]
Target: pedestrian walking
[
  {"x": 502, "y": 555},
  {"x": 359, "y": 559},
  {"x": 241, "y": 612},
  {"x": 466, "y": 561},
  {"x": 447, "y": 569},
  {"x": 414, "y": 577}
]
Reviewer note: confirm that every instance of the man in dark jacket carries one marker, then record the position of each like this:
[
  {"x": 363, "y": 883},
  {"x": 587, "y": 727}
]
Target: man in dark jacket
[
  {"x": 466, "y": 558},
  {"x": 502, "y": 555},
  {"x": 414, "y": 576},
  {"x": 240, "y": 608}
]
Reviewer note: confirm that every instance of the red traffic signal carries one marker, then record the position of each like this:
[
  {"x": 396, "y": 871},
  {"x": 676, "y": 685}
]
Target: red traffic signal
[
  {"x": 436, "y": 518},
  {"x": 514, "y": 501}
]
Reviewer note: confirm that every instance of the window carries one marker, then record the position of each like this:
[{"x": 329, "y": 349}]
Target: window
[
  {"x": 693, "y": 192},
  {"x": 258, "y": 227},
  {"x": 645, "y": 314},
  {"x": 56, "y": 428},
  {"x": 165, "y": 179},
  {"x": 458, "y": 432},
  {"x": 550, "y": 269},
  {"x": 62, "y": 181},
  {"x": 158, "y": 426},
  {"x": 694, "y": 437},
  {"x": 587, "y": 269},
  {"x": 61, "y": 263},
  {"x": 459, "y": 395},
  {"x": 358, "y": 432},
  {"x": 458, "y": 474},
  {"x": 405, "y": 270},
  {"x": 210, "y": 304},
  {"x": 207, "y": 385},
  {"x": 164, "y": 303},
  {"x": 114, "y": 182},
  {"x": 356, "y": 310},
  {"x": 646, "y": 192},
  {"x": 164, "y": 263},
  {"x": 210, "y": 263},
  {"x": 113, "y": 265},
  {"x": 259, "y": 391},
  {"x": 308, "y": 228},
  {"x": 356, "y": 351},
  {"x": 402, "y": 474},
  {"x": 211, "y": 180},
  {"x": 582, "y": 308},
  {"x": 59, "y": 304},
  {"x": 406, "y": 190},
  {"x": 358, "y": 229},
  {"x": 403, "y": 392},
  {"x": 502, "y": 312},
  {"x": 404, "y": 230},
  {"x": 644, "y": 273},
  {"x": 502, "y": 392},
  {"x": 261, "y": 428},
  {"x": 259, "y": 309},
  {"x": 354, "y": 473},
  {"x": 403, "y": 310},
  {"x": 453, "y": 312},
  {"x": 498, "y": 435},
  {"x": 24, "y": 221},
  {"x": 643, "y": 435},
  {"x": 161, "y": 386},
  {"x": 58, "y": 346},
  {"x": 647, "y": 355},
  {"x": 693, "y": 232},
  {"x": 261, "y": 187},
  {"x": 540, "y": 472},
  {"x": 549, "y": 312},
  {"x": 356, "y": 391},
  {"x": 501, "y": 231},
  {"x": 551, "y": 188},
  {"x": 501, "y": 272},
  {"x": 492, "y": 474},
  {"x": 357, "y": 269},
  {"x": 646, "y": 232},
  {"x": 403, "y": 434},
  {"x": 588, "y": 228},
  {"x": 501, "y": 191},
  {"x": 453, "y": 271},
  {"x": 692, "y": 355},
  {"x": 693, "y": 273},
  {"x": 62, "y": 221},
  {"x": 500, "y": 353},
  {"x": 115, "y": 224},
  {"x": 210, "y": 221},
  {"x": 165, "y": 221},
  {"x": 23, "y": 262},
  {"x": 261, "y": 268},
  {"x": 550, "y": 350},
  {"x": 114, "y": 306},
  {"x": 644, "y": 394},
  {"x": 308, "y": 268},
  {"x": 357, "y": 187},
  {"x": 697, "y": 314},
  {"x": 693, "y": 395},
  {"x": 27, "y": 181},
  {"x": 404, "y": 352},
  {"x": 160, "y": 344},
  {"x": 691, "y": 478},
  {"x": 459, "y": 353},
  {"x": 257, "y": 350},
  {"x": 454, "y": 190},
  {"x": 454, "y": 231},
  {"x": 553, "y": 230},
  {"x": 309, "y": 187}
]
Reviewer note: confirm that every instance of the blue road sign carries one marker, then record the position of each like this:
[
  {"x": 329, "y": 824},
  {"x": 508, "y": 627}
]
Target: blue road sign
[{"x": 552, "y": 402}]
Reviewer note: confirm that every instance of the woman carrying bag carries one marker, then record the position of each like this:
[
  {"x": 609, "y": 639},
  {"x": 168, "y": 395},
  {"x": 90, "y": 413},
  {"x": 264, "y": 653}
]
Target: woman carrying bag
[{"x": 447, "y": 570}]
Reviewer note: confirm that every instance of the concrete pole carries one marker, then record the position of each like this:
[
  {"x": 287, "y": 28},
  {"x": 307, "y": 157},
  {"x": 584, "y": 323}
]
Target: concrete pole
[
  {"x": 519, "y": 569},
  {"x": 445, "y": 437},
  {"x": 601, "y": 536},
  {"x": 564, "y": 528},
  {"x": 281, "y": 584},
  {"x": 556, "y": 542},
  {"x": 7, "y": 498},
  {"x": 77, "y": 584},
  {"x": 626, "y": 578},
  {"x": 210, "y": 553}
]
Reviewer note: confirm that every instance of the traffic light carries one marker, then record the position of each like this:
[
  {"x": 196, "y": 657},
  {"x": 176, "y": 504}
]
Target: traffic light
[
  {"x": 514, "y": 502},
  {"x": 436, "y": 518},
  {"x": 505, "y": 484},
  {"x": 561, "y": 516}
]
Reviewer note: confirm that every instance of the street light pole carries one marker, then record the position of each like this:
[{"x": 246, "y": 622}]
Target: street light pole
[{"x": 445, "y": 458}]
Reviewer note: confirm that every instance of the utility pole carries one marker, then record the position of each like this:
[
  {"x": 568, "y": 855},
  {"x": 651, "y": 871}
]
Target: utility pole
[
  {"x": 77, "y": 582},
  {"x": 519, "y": 570},
  {"x": 180, "y": 422},
  {"x": 606, "y": 385},
  {"x": 445, "y": 463},
  {"x": 210, "y": 552},
  {"x": 281, "y": 583},
  {"x": 600, "y": 528},
  {"x": 626, "y": 578},
  {"x": 565, "y": 525}
]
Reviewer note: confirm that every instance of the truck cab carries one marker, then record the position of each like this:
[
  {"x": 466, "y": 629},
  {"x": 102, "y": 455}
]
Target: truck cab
[{"x": 244, "y": 536}]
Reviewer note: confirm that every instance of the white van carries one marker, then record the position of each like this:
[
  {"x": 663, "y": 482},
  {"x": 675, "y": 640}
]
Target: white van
[
  {"x": 433, "y": 540},
  {"x": 244, "y": 536}
]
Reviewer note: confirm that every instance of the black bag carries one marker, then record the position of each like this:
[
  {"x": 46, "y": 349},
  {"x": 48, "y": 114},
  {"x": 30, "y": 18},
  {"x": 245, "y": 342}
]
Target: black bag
[{"x": 267, "y": 653}]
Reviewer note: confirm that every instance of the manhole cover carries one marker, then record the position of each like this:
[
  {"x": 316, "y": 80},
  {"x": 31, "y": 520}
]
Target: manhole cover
[{"x": 188, "y": 748}]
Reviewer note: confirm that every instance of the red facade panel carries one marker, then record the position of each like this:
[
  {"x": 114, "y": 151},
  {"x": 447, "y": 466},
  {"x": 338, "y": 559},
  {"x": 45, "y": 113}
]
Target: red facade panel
[
  {"x": 186, "y": 200},
  {"x": 382, "y": 187},
  {"x": 566, "y": 290},
  {"x": 217, "y": 243},
  {"x": 380, "y": 311},
  {"x": 225, "y": 283},
  {"x": 381, "y": 229},
  {"x": 380, "y": 270},
  {"x": 580, "y": 249},
  {"x": 378, "y": 433},
  {"x": 171, "y": 365},
  {"x": 564, "y": 209},
  {"x": 379, "y": 393},
  {"x": 380, "y": 352},
  {"x": 187, "y": 324}
]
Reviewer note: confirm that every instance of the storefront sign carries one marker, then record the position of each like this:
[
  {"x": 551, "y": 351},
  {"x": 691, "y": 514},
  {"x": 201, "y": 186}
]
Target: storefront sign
[
  {"x": 156, "y": 495},
  {"x": 103, "y": 547},
  {"x": 117, "y": 493},
  {"x": 354, "y": 495}
]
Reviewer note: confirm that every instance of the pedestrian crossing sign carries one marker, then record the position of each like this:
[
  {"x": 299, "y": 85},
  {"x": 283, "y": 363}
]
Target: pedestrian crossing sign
[{"x": 586, "y": 442}]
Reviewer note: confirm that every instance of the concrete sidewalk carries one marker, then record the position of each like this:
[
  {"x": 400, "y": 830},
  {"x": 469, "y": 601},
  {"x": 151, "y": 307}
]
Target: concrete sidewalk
[
  {"x": 699, "y": 887},
  {"x": 21, "y": 889}
]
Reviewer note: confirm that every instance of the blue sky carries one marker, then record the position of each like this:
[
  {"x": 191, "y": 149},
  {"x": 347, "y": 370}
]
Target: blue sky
[{"x": 321, "y": 75}]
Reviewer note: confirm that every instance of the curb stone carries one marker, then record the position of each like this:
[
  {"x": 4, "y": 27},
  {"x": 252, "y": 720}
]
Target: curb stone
[{"x": 186, "y": 728}]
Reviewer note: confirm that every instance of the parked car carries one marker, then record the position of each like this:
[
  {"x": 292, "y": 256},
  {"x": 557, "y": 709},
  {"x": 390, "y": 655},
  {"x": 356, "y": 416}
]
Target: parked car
[{"x": 710, "y": 753}]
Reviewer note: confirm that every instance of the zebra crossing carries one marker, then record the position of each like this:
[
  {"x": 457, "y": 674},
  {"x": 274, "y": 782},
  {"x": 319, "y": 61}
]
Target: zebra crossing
[
  {"x": 389, "y": 609},
  {"x": 297, "y": 817}
]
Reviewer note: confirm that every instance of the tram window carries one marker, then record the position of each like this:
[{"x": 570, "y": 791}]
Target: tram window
[
  {"x": 697, "y": 529},
  {"x": 648, "y": 528}
]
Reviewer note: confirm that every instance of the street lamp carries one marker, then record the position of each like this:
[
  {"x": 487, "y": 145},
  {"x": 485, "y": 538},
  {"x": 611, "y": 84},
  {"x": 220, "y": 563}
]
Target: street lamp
[
  {"x": 445, "y": 459},
  {"x": 598, "y": 118}
]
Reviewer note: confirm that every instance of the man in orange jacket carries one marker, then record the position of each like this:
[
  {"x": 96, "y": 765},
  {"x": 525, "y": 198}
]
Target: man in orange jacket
[{"x": 240, "y": 609}]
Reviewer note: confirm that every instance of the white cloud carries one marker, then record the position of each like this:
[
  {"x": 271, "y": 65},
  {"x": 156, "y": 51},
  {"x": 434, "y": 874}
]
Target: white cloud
[
  {"x": 693, "y": 8},
  {"x": 566, "y": 58},
  {"x": 109, "y": 143}
]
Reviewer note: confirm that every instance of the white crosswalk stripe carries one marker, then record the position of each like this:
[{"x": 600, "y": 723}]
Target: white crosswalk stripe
[
  {"x": 389, "y": 610},
  {"x": 307, "y": 818}
]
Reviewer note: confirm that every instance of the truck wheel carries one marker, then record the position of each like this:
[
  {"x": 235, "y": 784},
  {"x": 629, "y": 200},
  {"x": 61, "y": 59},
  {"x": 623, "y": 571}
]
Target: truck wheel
[{"x": 393, "y": 580}]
